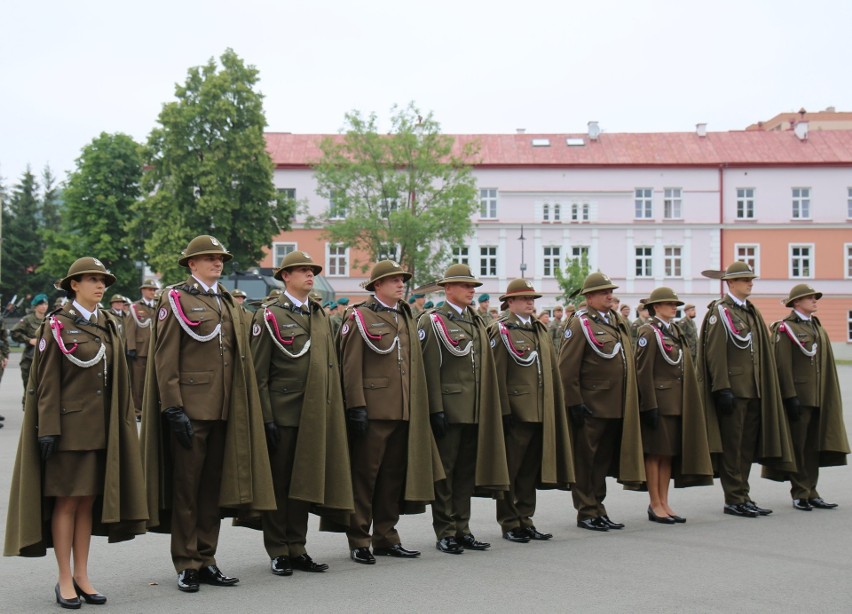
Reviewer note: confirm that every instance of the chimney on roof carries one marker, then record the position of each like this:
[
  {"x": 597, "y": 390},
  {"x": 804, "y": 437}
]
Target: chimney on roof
[
  {"x": 830, "y": 110},
  {"x": 701, "y": 129},
  {"x": 594, "y": 130},
  {"x": 520, "y": 130},
  {"x": 801, "y": 130}
]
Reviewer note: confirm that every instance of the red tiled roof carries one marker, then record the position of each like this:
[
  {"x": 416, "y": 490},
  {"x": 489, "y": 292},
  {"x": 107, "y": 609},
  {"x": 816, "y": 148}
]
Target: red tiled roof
[{"x": 740, "y": 148}]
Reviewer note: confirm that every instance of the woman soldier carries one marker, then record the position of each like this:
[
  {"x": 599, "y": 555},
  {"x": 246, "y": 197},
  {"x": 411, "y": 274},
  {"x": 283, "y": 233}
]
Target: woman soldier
[
  {"x": 670, "y": 407},
  {"x": 78, "y": 469}
]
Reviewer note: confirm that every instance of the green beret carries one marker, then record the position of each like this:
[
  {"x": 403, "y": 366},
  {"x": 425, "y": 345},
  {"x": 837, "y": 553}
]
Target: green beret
[
  {"x": 38, "y": 299},
  {"x": 428, "y": 305},
  {"x": 484, "y": 298},
  {"x": 343, "y": 301}
]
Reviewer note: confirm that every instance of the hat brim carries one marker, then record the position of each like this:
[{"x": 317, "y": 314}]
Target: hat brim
[
  {"x": 279, "y": 272},
  {"x": 460, "y": 280},
  {"x": 185, "y": 260},
  {"x": 523, "y": 293},
  {"x": 370, "y": 285},
  {"x": 65, "y": 283},
  {"x": 741, "y": 275},
  {"x": 153, "y": 287},
  {"x": 793, "y": 299},
  {"x": 585, "y": 291}
]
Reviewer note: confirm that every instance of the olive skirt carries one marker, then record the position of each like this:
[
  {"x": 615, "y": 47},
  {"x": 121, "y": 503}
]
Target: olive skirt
[
  {"x": 665, "y": 440},
  {"x": 75, "y": 474}
]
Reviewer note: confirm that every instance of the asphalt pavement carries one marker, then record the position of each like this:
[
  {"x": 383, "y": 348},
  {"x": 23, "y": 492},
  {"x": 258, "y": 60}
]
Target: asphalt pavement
[{"x": 791, "y": 561}]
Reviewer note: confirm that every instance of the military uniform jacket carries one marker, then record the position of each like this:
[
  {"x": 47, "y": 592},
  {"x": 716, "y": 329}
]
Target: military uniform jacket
[
  {"x": 137, "y": 328},
  {"x": 806, "y": 369},
  {"x": 734, "y": 352},
  {"x": 667, "y": 381},
  {"x": 246, "y": 485},
  {"x": 530, "y": 390},
  {"x": 597, "y": 369},
  {"x": 4, "y": 340},
  {"x": 119, "y": 513},
  {"x": 23, "y": 331},
  {"x": 463, "y": 384},
  {"x": 690, "y": 335},
  {"x": 382, "y": 370},
  {"x": 298, "y": 378}
]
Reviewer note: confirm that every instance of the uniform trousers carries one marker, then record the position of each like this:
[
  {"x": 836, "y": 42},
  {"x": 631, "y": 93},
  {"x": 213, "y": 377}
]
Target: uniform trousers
[
  {"x": 739, "y": 432},
  {"x": 523, "y": 455},
  {"x": 805, "y": 435},
  {"x": 138, "y": 366},
  {"x": 451, "y": 507},
  {"x": 596, "y": 444},
  {"x": 379, "y": 458},
  {"x": 196, "y": 479},
  {"x": 285, "y": 529}
]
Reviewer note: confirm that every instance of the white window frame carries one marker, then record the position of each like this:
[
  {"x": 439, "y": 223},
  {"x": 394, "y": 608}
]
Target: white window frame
[
  {"x": 388, "y": 206},
  {"x": 580, "y": 212},
  {"x": 557, "y": 212},
  {"x": 647, "y": 260},
  {"x": 801, "y": 203},
  {"x": 673, "y": 260},
  {"x": 461, "y": 254},
  {"x": 545, "y": 212},
  {"x": 811, "y": 259},
  {"x": 551, "y": 257},
  {"x": 334, "y": 258},
  {"x": 673, "y": 203},
  {"x": 745, "y": 204},
  {"x": 577, "y": 251},
  {"x": 384, "y": 252},
  {"x": 488, "y": 261},
  {"x": 756, "y": 246},
  {"x": 288, "y": 193},
  {"x": 488, "y": 203},
  {"x": 847, "y": 252},
  {"x": 279, "y": 245},
  {"x": 643, "y": 203}
]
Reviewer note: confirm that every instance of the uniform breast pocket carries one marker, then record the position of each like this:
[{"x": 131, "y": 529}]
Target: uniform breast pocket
[
  {"x": 447, "y": 389},
  {"x": 195, "y": 378},
  {"x": 519, "y": 390},
  {"x": 594, "y": 384},
  {"x": 735, "y": 371},
  {"x": 376, "y": 383}
]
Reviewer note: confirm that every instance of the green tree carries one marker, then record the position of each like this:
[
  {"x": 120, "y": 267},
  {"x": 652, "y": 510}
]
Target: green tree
[
  {"x": 22, "y": 245},
  {"x": 210, "y": 172},
  {"x": 571, "y": 278},
  {"x": 98, "y": 206},
  {"x": 51, "y": 201},
  {"x": 407, "y": 194}
]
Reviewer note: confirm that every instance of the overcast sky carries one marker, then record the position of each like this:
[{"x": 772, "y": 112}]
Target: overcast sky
[{"x": 71, "y": 70}]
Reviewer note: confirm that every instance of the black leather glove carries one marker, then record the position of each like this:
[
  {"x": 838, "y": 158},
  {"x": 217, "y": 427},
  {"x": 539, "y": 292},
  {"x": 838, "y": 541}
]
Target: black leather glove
[
  {"x": 579, "y": 413},
  {"x": 508, "y": 421},
  {"x": 794, "y": 408},
  {"x": 272, "y": 435},
  {"x": 47, "y": 445},
  {"x": 439, "y": 424},
  {"x": 131, "y": 354},
  {"x": 357, "y": 417},
  {"x": 724, "y": 401},
  {"x": 650, "y": 417},
  {"x": 181, "y": 426}
]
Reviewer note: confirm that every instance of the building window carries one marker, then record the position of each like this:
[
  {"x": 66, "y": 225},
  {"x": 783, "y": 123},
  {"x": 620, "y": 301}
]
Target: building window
[
  {"x": 557, "y": 212},
  {"x": 336, "y": 210},
  {"x": 644, "y": 203},
  {"x": 337, "y": 260},
  {"x": 644, "y": 262},
  {"x": 545, "y": 212},
  {"x": 801, "y": 203},
  {"x": 801, "y": 261},
  {"x": 579, "y": 212},
  {"x": 745, "y": 203},
  {"x": 287, "y": 193},
  {"x": 388, "y": 251},
  {"x": 671, "y": 203},
  {"x": 488, "y": 261},
  {"x": 279, "y": 250},
  {"x": 488, "y": 203},
  {"x": 388, "y": 206},
  {"x": 580, "y": 252},
  {"x": 673, "y": 260},
  {"x": 552, "y": 254},
  {"x": 750, "y": 254},
  {"x": 461, "y": 255},
  {"x": 848, "y": 248}
]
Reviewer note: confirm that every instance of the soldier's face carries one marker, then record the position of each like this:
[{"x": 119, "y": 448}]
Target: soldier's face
[
  {"x": 148, "y": 293},
  {"x": 40, "y": 309},
  {"x": 299, "y": 280},
  {"x": 460, "y": 294},
  {"x": 207, "y": 267},
  {"x": 690, "y": 313},
  {"x": 600, "y": 300},
  {"x": 741, "y": 288},
  {"x": 806, "y": 305},
  {"x": 240, "y": 299},
  {"x": 666, "y": 311},
  {"x": 522, "y": 306},
  {"x": 89, "y": 289},
  {"x": 390, "y": 289}
]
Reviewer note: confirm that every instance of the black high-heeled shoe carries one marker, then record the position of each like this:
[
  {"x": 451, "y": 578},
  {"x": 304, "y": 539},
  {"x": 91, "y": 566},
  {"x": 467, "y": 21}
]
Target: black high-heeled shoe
[
  {"x": 661, "y": 519},
  {"x": 91, "y": 598},
  {"x": 70, "y": 604},
  {"x": 677, "y": 519}
]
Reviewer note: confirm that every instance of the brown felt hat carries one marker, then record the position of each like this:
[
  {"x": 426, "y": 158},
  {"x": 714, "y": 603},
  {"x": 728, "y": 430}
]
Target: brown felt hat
[
  {"x": 385, "y": 268},
  {"x": 203, "y": 245},
  {"x": 596, "y": 282},
  {"x": 801, "y": 291},
  {"x": 84, "y": 266},
  {"x": 459, "y": 274},
  {"x": 663, "y": 295},
  {"x": 519, "y": 287},
  {"x": 295, "y": 259}
]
